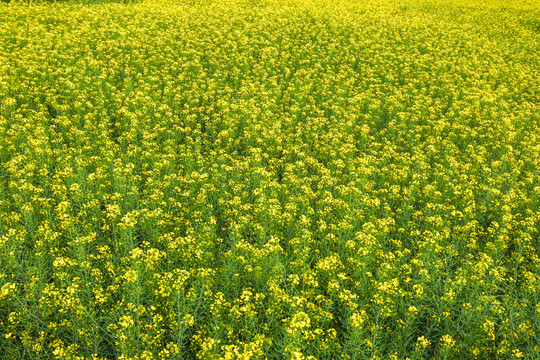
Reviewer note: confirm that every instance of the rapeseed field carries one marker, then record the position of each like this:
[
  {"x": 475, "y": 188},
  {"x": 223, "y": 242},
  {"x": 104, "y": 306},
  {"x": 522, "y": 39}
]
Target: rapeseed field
[{"x": 297, "y": 179}]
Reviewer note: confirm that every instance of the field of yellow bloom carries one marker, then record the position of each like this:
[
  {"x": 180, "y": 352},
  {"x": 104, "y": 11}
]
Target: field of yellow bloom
[{"x": 270, "y": 179}]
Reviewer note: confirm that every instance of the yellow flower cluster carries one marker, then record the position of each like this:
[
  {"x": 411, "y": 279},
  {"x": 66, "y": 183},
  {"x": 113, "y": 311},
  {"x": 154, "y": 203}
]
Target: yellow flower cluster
[{"x": 270, "y": 179}]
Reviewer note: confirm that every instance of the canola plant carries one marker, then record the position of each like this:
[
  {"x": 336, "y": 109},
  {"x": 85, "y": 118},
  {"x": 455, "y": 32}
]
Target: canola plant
[{"x": 295, "y": 179}]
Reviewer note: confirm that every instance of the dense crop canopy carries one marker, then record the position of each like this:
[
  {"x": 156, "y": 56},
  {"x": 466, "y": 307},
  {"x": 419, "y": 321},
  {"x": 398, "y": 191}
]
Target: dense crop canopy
[{"x": 270, "y": 180}]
